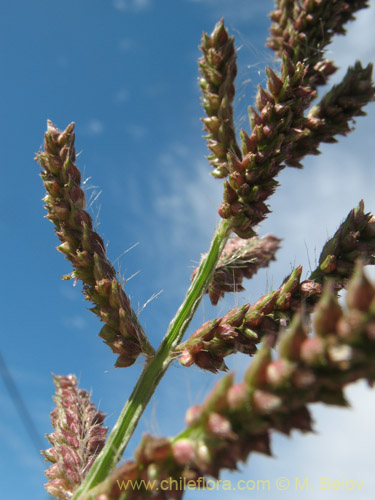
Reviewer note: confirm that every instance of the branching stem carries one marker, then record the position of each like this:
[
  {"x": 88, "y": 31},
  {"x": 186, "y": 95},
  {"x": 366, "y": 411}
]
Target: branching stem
[{"x": 154, "y": 369}]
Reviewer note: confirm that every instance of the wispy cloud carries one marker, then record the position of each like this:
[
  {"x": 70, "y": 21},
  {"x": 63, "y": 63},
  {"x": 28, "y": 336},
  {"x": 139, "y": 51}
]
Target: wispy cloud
[
  {"x": 93, "y": 126},
  {"x": 345, "y": 50},
  {"x": 125, "y": 5},
  {"x": 186, "y": 196}
]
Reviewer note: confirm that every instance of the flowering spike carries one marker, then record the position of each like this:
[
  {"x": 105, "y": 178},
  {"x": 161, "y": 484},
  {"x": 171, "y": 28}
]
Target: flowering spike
[
  {"x": 240, "y": 259},
  {"x": 353, "y": 239},
  {"x": 237, "y": 419},
  {"x": 83, "y": 247},
  {"x": 78, "y": 438},
  {"x": 282, "y": 134},
  {"x": 276, "y": 309},
  {"x": 296, "y": 32},
  {"x": 218, "y": 70}
]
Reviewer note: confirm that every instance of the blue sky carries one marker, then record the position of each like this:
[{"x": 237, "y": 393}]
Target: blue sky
[{"x": 126, "y": 73}]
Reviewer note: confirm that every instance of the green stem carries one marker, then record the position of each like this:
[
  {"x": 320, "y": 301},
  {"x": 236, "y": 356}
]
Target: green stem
[{"x": 154, "y": 369}]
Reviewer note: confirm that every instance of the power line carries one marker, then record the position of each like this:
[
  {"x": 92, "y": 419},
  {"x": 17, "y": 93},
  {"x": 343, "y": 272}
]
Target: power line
[{"x": 20, "y": 406}]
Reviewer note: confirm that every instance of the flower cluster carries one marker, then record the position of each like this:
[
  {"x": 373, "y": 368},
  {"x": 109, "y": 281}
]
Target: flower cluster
[
  {"x": 240, "y": 259},
  {"x": 303, "y": 29},
  {"x": 334, "y": 113},
  {"x": 241, "y": 329},
  {"x": 281, "y": 132},
  {"x": 85, "y": 249},
  {"x": 354, "y": 239},
  {"x": 218, "y": 70},
  {"x": 78, "y": 438},
  {"x": 321, "y": 346},
  {"x": 275, "y": 128},
  {"x": 237, "y": 419}
]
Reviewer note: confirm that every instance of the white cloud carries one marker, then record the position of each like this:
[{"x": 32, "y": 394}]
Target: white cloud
[
  {"x": 137, "y": 5},
  {"x": 141, "y": 4},
  {"x": 187, "y": 196},
  {"x": 341, "y": 448},
  {"x": 93, "y": 126},
  {"x": 357, "y": 44},
  {"x": 310, "y": 204}
]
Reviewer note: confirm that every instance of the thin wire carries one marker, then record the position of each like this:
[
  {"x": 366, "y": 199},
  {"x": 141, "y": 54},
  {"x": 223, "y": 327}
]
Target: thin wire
[{"x": 21, "y": 407}]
